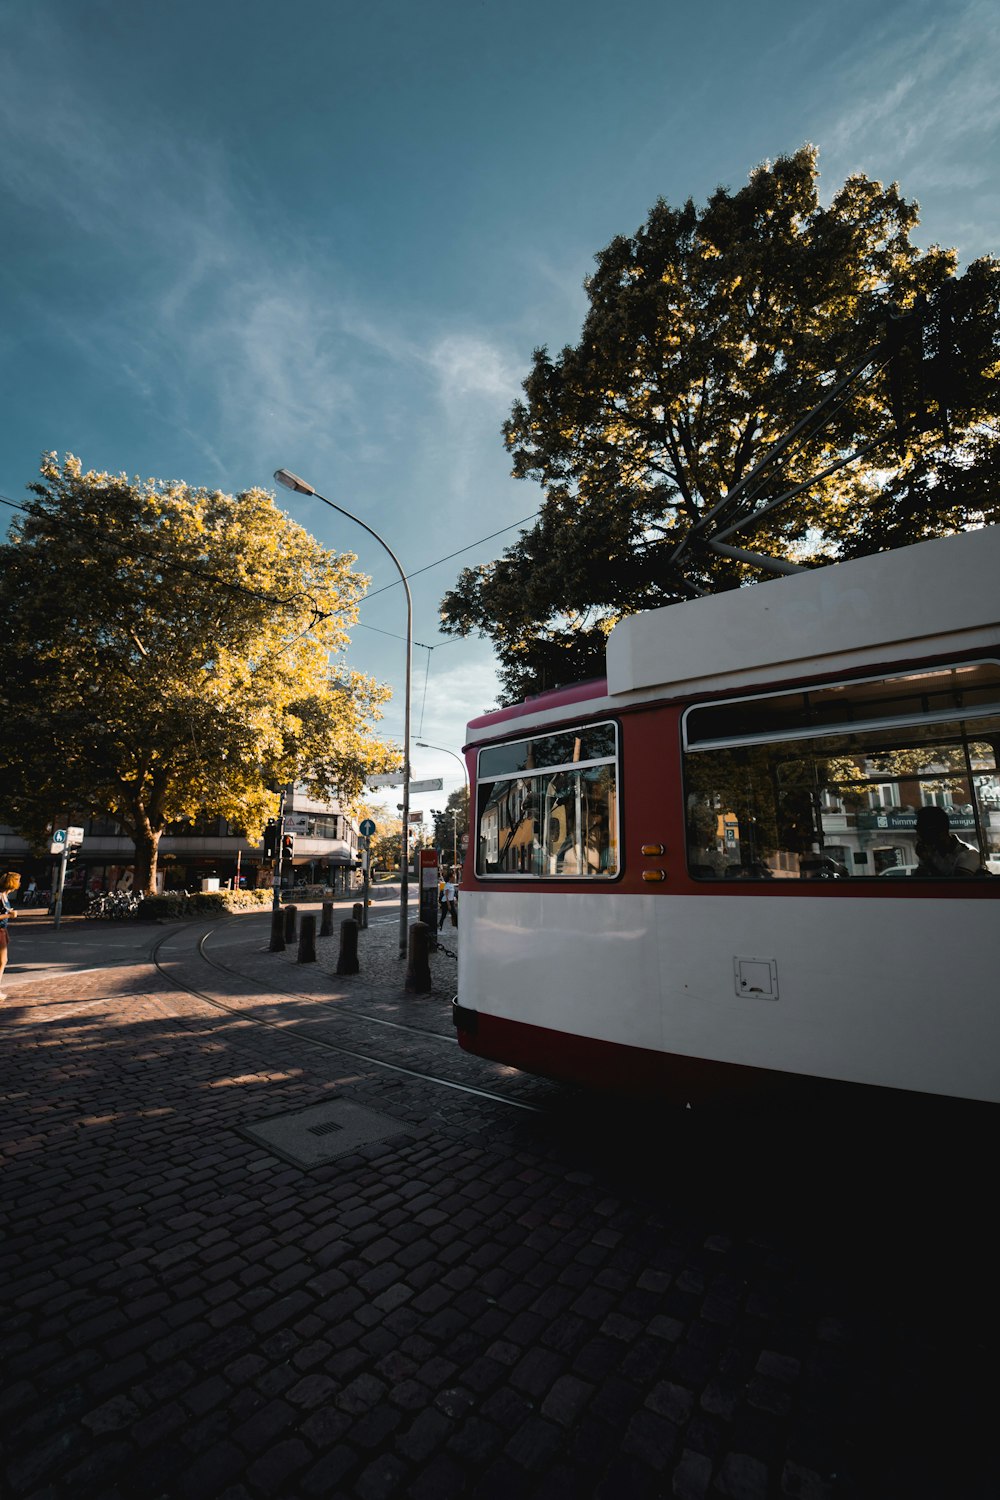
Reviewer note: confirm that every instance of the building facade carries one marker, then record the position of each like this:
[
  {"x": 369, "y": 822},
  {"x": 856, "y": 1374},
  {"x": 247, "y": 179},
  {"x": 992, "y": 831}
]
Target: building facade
[{"x": 206, "y": 853}]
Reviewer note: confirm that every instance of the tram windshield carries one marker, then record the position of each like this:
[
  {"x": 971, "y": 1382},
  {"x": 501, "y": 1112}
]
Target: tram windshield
[
  {"x": 548, "y": 806},
  {"x": 828, "y": 783}
]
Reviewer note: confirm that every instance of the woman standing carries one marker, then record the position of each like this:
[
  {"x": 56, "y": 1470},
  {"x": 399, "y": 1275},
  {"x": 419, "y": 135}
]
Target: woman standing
[{"x": 8, "y": 883}]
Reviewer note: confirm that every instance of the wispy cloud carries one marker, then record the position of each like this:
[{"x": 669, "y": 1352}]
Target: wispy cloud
[
  {"x": 469, "y": 366},
  {"x": 470, "y": 683},
  {"x": 221, "y": 322},
  {"x": 209, "y": 318},
  {"x": 919, "y": 101}
]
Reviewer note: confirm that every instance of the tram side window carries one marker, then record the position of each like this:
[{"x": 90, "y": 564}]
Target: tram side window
[
  {"x": 558, "y": 822},
  {"x": 835, "y": 794}
]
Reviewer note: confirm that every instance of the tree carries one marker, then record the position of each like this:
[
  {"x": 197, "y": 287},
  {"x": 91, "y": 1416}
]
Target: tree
[
  {"x": 710, "y": 333},
  {"x": 169, "y": 657},
  {"x": 451, "y": 823},
  {"x": 384, "y": 843}
]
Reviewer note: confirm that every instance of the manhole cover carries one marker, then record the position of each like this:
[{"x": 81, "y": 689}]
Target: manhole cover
[{"x": 310, "y": 1137}]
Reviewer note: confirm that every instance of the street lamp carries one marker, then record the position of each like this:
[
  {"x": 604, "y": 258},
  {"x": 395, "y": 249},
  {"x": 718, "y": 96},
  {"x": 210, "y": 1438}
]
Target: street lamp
[
  {"x": 449, "y": 812},
  {"x": 468, "y": 793},
  {"x": 424, "y": 746},
  {"x": 293, "y": 482}
]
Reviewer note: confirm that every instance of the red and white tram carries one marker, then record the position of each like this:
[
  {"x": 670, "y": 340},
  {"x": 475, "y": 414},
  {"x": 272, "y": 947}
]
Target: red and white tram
[{"x": 703, "y": 873}]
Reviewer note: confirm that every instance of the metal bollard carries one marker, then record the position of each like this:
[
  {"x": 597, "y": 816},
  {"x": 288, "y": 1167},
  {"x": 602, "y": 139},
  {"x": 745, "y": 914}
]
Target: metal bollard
[
  {"x": 418, "y": 968},
  {"x": 291, "y": 912},
  {"x": 326, "y": 925},
  {"x": 358, "y": 913},
  {"x": 347, "y": 963},
  {"x": 307, "y": 939},
  {"x": 277, "y": 944}
]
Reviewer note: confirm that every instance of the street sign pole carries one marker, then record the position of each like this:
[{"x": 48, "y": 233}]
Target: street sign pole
[
  {"x": 279, "y": 854},
  {"x": 367, "y": 830},
  {"x": 59, "y": 887},
  {"x": 58, "y": 846}
]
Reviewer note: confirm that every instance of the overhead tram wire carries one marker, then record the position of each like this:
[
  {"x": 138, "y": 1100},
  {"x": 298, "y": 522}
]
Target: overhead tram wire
[
  {"x": 448, "y": 556},
  {"x": 269, "y": 599},
  {"x": 360, "y": 625},
  {"x": 455, "y": 641}
]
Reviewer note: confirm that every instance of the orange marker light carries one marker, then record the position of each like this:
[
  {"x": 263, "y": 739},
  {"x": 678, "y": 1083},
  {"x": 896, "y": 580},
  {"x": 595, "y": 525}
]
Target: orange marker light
[
  {"x": 654, "y": 874},
  {"x": 653, "y": 849}
]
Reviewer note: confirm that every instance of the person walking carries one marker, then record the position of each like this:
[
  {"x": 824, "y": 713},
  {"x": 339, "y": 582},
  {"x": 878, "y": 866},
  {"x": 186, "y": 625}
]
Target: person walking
[
  {"x": 8, "y": 883},
  {"x": 449, "y": 905}
]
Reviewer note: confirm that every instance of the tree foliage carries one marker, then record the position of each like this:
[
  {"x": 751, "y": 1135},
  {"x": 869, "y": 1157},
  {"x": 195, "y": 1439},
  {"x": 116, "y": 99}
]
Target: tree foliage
[
  {"x": 168, "y": 656},
  {"x": 385, "y": 843},
  {"x": 387, "y": 846},
  {"x": 710, "y": 333}
]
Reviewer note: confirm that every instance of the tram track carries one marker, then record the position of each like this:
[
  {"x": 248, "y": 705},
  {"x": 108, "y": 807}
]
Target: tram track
[
  {"x": 331, "y": 1015},
  {"x": 334, "y": 1010}
]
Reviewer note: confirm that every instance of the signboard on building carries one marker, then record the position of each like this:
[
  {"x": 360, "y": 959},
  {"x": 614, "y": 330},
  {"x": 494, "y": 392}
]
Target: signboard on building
[{"x": 899, "y": 818}]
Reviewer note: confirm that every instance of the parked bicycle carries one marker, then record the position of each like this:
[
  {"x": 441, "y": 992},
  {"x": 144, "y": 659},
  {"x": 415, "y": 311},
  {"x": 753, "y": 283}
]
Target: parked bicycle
[{"x": 113, "y": 906}]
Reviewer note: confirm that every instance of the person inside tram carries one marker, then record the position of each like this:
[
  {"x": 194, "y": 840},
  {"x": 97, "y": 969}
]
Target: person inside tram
[{"x": 939, "y": 851}]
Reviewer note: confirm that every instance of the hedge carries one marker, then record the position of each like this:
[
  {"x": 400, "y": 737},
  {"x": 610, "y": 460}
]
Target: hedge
[{"x": 173, "y": 904}]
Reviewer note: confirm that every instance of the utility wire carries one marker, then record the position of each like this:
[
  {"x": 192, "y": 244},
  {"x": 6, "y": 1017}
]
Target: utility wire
[
  {"x": 167, "y": 564},
  {"x": 467, "y": 548},
  {"x": 268, "y": 599},
  {"x": 422, "y": 644}
]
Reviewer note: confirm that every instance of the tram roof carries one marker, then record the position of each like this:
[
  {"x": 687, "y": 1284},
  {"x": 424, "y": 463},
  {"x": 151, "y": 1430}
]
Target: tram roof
[
  {"x": 931, "y": 598},
  {"x": 842, "y": 616}
]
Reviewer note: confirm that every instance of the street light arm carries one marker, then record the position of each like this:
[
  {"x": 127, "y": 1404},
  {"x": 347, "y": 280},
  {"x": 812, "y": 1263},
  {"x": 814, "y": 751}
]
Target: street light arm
[
  {"x": 425, "y": 746},
  {"x": 293, "y": 482},
  {"x": 468, "y": 794}
]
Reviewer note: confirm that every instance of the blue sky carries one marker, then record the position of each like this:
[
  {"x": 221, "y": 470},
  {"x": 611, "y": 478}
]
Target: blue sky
[{"x": 328, "y": 236}]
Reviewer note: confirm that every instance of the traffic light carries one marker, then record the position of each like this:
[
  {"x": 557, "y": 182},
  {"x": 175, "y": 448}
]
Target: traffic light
[
  {"x": 270, "y": 839},
  {"x": 287, "y": 845}
]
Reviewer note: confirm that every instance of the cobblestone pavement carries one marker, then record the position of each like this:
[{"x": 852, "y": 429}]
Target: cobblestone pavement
[{"x": 575, "y": 1298}]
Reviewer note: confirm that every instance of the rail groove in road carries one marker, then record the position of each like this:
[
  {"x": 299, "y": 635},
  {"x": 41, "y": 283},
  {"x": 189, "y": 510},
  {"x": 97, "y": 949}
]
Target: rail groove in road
[{"x": 302, "y": 1032}]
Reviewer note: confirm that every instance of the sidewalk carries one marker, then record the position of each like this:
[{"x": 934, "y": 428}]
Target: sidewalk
[{"x": 468, "y": 1300}]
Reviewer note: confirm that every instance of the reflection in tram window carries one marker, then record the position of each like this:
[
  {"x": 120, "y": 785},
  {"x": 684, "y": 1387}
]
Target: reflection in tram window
[
  {"x": 826, "y": 784},
  {"x": 561, "y": 822}
]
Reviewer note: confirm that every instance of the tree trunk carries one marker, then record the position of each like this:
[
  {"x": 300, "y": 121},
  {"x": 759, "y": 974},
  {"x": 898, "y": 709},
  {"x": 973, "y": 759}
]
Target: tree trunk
[{"x": 147, "y": 843}]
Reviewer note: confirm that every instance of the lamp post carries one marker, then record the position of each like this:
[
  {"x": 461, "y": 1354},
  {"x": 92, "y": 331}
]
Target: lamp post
[
  {"x": 293, "y": 482},
  {"x": 468, "y": 793}
]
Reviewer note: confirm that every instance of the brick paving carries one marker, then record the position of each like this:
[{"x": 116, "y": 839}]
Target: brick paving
[{"x": 592, "y": 1300}]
